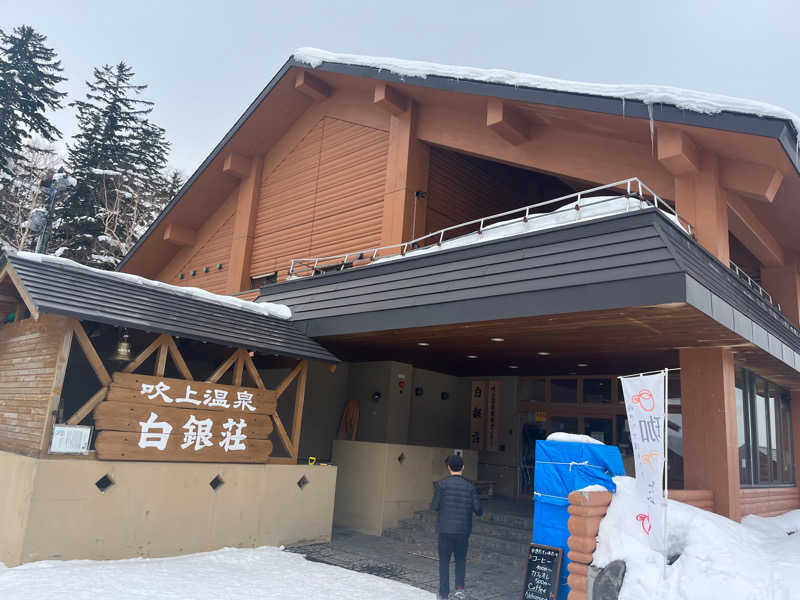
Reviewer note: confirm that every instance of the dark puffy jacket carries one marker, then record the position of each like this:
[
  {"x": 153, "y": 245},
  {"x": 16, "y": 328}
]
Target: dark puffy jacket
[{"x": 456, "y": 499}]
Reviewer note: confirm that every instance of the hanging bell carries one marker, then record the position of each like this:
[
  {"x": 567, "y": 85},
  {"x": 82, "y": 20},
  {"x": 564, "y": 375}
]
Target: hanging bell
[{"x": 123, "y": 351}]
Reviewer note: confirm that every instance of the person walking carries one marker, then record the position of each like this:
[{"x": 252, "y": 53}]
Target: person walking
[{"x": 455, "y": 499}]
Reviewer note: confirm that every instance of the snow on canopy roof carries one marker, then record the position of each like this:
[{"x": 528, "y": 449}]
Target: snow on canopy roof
[
  {"x": 280, "y": 311},
  {"x": 692, "y": 100}
]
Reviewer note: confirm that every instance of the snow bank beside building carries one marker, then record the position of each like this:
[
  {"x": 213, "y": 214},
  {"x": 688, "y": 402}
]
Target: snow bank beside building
[
  {"x": 699, "y": 102},
  {"x": 717, "y": 557},
  {"x": 264, "y": 573}
]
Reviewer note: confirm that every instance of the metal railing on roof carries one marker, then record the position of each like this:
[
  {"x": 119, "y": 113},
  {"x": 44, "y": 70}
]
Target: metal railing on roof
[{"x": 632, "y": 188}]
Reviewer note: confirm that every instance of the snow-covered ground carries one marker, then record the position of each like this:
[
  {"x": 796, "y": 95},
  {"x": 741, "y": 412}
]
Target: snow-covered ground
[
  {"x": 264, "y": 573},
  {"x": 719, "y": 558}
]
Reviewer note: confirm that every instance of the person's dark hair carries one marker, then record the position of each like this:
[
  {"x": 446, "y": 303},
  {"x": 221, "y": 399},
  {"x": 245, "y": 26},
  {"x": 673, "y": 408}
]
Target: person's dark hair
[{"x": 456, "y": 463}]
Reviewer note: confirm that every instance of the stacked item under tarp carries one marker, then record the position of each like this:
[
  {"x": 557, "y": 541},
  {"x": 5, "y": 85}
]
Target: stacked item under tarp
[{"x": 563, "y": 467}]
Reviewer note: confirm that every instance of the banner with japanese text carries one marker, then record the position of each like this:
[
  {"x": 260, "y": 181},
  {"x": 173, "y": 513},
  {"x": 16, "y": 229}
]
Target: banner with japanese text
[
  {"x": 477, "y": 415},
  {"x": 492, "y": 410},
  {"x": 645, "y": 403}
]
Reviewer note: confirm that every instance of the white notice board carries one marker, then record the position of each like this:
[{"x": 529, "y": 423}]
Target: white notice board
[{"x": 70, "y": 439}]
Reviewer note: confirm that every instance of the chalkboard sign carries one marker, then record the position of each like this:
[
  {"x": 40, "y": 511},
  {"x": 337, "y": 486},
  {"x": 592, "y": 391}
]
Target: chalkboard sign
[{"x": 542, "y": 571}]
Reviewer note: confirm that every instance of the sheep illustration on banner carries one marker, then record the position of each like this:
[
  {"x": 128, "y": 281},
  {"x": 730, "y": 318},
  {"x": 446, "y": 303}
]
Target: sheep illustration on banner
[{"x": 645, "y": 403}]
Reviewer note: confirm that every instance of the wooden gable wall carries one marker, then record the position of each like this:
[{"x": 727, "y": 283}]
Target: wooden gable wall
[{"x": 324, "y": 197}]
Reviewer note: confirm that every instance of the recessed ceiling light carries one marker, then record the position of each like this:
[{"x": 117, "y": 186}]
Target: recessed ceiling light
[
  {"x": 423, "y": 344},
  {"x": 582, "y": 365},
  {"x": 513, "y": 367},
  {"x": 543, "y": 353},
  {"x": 497, "y": 339},
  {"x": 472, "y": 356}
]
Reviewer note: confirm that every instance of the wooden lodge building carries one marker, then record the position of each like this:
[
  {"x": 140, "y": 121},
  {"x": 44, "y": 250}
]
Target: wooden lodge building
[{"x": 469, "y": 259}]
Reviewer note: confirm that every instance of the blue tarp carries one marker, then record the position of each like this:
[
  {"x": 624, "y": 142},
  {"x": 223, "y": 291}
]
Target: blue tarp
[{"x": 561, "y": 468}]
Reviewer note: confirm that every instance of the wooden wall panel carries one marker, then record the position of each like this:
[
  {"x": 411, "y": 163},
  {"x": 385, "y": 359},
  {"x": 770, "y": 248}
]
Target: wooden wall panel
[
  {"x": 208, "y": 254},
  {"x": 28, "y": 360},
  {"x": 768, "y": 502},
  {"x": 462, "y": 188},
  {"x": 324, "y": 197}
]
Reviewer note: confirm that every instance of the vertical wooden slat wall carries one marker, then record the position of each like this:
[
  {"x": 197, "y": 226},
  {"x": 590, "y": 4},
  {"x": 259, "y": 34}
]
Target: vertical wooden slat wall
[
  {"x": 29, "y": 353},
  {"x": 325, "y": 197},
  {"x": 462, "y": 188}
]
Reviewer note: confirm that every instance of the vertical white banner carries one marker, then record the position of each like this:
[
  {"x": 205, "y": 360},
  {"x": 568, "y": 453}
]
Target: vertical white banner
[{"x": 645, "y": 403}]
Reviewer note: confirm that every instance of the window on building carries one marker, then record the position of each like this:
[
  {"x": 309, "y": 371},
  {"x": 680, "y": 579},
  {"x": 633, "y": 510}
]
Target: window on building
[{"x": 764, "y": 427}]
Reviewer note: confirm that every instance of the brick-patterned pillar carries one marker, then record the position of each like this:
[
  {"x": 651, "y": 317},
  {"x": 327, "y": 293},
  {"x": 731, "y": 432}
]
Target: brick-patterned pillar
[{"x": 586, "y": 510}]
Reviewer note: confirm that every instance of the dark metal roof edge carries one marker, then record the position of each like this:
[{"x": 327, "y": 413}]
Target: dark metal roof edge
[
  {"x": 441, "y": 256},
  {"x": 782, "y": 130},
  {"x": 209, "y": 159}
]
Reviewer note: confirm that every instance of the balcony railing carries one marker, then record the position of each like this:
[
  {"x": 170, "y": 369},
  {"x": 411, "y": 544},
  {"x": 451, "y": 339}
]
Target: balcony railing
[{"x": 637, "y": 196}]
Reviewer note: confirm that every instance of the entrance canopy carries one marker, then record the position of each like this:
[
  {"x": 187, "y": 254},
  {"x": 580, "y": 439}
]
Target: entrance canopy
[{"x": 49, "y": 284}]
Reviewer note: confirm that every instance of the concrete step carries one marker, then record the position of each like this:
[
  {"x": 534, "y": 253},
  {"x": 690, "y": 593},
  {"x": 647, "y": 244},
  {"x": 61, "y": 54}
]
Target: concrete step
[
  {"x": 485, "y": 527},
  {"x": 494, "y": 518},
  {"x": 482, "y": 544}
]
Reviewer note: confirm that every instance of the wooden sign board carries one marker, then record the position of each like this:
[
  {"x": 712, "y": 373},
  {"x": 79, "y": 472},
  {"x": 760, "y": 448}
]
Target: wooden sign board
[
  {"x": 477, "y": 415},
  {"x": 492, "y": 416},
  {"x": 542, "y": 572},
  {"x": 163, "y": 391},
  {"x": 161, "y": 419}
]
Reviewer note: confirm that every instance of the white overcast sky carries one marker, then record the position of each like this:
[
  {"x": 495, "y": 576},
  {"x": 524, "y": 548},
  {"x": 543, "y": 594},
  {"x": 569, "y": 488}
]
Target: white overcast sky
[{"x": 206, "y": 61}]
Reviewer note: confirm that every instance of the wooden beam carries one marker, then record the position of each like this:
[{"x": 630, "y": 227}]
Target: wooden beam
[
  {"x": 88, "y": 407},
  {"x": 23, "y": 293},
  {"x": 390, "y": 99},
  {"x": 247, "y": 196},
  {"x": 179, "y": 235},
  {"x": 161, "y": 361},
  {"x": 287, "y": 381},
  {"x": 331, "y": 368},
  {"x": 223, "y": 368},
  {"x": 311, "y": 86},
  {"x": 676, "y": 151},
  {"x": 237, "y": 165},
  {"x": 299, "y": 402},
  {"x": 177, "y": 358},
  {"x": 238, "y": 369},
  {"x": 748, "y": 229},
  {"x": 760, "y": 182},
  {"x": 91, "y": 354},
  {"x": 9, "y": 299},
  {"x": 56, "y": 388},
  {"x": 254, "y": 375},
  {"x": 506, "y": 122},
  {"x": 283, "y": 435},
  {"x": 145, "y": 354}
]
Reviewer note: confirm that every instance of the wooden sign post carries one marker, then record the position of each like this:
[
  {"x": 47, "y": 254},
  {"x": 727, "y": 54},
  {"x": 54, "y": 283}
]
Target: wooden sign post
[
  {"x": 161, "y": 419},
  {"x": 542, "y": 572}
]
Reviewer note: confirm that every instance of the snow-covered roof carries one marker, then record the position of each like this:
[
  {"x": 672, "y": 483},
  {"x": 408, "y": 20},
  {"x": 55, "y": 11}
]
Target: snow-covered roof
[
  {"x": 60, "y": 286},
  {"x": 280, "y": 311},
  {"x": 684, "y": 99}
]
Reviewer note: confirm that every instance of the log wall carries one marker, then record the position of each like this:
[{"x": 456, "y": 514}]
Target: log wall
[
  {"x": 32, "y": 366},
  {"x": 325, "y": 196},
  {"x": 768, "y": 502}
]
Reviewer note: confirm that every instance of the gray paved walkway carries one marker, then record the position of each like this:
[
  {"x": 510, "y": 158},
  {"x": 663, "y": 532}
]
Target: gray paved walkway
[{"x": 489, "y": 576}]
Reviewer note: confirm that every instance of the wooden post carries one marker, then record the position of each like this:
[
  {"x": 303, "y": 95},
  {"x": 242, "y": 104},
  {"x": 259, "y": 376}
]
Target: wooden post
[
  {"x": 244, "y": 226},
  {"x": 57, "y": 387},
  {"x": 299, "y": 402}
]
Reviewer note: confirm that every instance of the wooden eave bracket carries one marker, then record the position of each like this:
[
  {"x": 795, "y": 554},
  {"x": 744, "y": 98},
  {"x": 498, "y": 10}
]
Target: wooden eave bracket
[
  {"x": 389, "y": 99},
  {"x": 677, "y": 152},
  {"x": 237, "y": 165},
  {"x": 8, "y": 272},
  {"x": 506, "y": 122},
  {"x": 746, "y": 226},
  {"x": 311, "y": 86},
  {"x": 180, "y": 235},
  {"x": 760, "y": 182}
]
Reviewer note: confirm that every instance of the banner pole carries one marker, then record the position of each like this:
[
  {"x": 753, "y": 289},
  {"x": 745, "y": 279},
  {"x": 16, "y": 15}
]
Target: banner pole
[{"x": 666, "y": 466}]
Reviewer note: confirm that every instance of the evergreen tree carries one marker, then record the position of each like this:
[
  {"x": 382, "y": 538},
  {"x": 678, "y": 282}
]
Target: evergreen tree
[
  {"x": 29, "y": 74},
  {"x": 117, "y": 158}
]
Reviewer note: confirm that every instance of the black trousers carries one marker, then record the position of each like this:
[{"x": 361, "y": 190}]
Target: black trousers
[{"x": 456, "y": 544}]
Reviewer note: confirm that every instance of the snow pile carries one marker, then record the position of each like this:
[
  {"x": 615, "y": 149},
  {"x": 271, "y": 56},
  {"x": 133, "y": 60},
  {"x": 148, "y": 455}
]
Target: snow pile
[
  {"x": 280, "y": 311},
  {"x": 264, "y": 573},
  {"x": 717, "y": 557},
  {"x": 788, "y": 523},
  {"x": 698, "y": 102},
  {"x": 578, "y": 438},
  {"x": 585, "y": 209}
]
